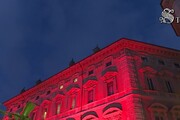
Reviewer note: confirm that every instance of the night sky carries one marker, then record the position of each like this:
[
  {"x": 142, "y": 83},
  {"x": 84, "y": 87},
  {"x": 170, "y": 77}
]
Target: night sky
[{"x": 38, "y": 38}]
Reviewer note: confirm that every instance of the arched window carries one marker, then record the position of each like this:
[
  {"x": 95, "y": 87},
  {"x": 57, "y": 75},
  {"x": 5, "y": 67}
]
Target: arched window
[
  {"x": 89, "y": 85},
  {"x": 45, "y": 112},
  {"x": 175, "y": 112},
  {"x": 33, "y": 114},
  {"x": 148, "y": 79},
  {"x": 45, "y": 106},
  {"x": 58, "y": 102},
  {"x": 58, "y": 107},
  {"x": 112, "y": 112},
  {"x": 73, "y": 101},
  {"x": 158, "y": 111},
  {"x": 110, "y": 85},
  {"x": 73, "y": 93},
  {"x": 166, "y": 77},
  {"x": 91, "y": 115}
]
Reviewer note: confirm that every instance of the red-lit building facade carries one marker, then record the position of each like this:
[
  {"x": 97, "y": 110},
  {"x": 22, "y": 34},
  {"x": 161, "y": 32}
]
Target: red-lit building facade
[{"x": 127, "y": 80}]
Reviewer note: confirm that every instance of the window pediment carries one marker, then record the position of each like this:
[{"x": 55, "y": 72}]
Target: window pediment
[
  {"x": 176, "y": 108},
  {"x": 58, "y": 95},
  {"x": 91, "y": 115},
  {"x": 45, "y": 102},
  {"x": 72, "y": 88},
  {"x": 110, "y": 71},
  {"x": 165, "y": 73},
  {"x": 113, "y": 105},
  {"x": 70, "y": 119},
  {"x": 112, "y": 111},
  {"x": 148, "y": 69},
  {"x": 158, "y": 107},
  {"x": 89, "y": 81}
]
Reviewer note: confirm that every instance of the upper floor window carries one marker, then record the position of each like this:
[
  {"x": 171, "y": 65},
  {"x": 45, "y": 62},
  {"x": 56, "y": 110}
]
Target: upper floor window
[
  {"x": 161, "y": 62},
  {"x": 48, "y": 92},
  {"x": 19, "y": 106},
  {"x": 58, "y": 107},
  {"x": 144, "y": 59},
  {"x": 108, "y": 64},
  {"x": 90, "y": 72},
  {"x": 61, "y": 87},
  {"x": 110, "y": 89},
  {"x": 73, "y": 102},
  {"x": 158, "y": 111},
  {"x": 75, "y": 80},
  {"x": 168, "y": 86},
  {"x": 176, "y": 65},
  {"x": 90, "y": 96},
  {"x": 33, "y": 116},
  {"x": 45, "y": 113},
  {"x": 150, "y": 84},
  {"x": 37, "y": 97}
]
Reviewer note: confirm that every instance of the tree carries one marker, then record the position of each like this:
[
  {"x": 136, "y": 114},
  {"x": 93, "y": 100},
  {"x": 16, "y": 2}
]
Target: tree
[{"x": 24, "y": 115}]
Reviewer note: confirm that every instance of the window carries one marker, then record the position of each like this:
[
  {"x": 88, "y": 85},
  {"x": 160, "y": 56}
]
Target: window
[
  {"x": 48, "y": 92},
  {"x": 150, "y": 84},
  {"x": 158, "y": 111},
  {"x": 37, "y": 97},
  {"x": 73, "y": 102},
  {"x": 110, "y": 90},
  {"x": 175, "y": 112},
  {"x": 91, "y": 72},
  {"x": 168, "y": 85},
  {"x": 58, "y": 107},
  {"x": 33, "y": 116},
  {"x": 75, "y": 80},
  {"x": 90, "y": 96},
  {"x": 176, "y": 115},
  {"x": 161, "y": 62},
  {"x": 176, "y": 65},
  {"x": 159, "y": 116},
  {"x": 108, "y": 64},
  {"x": 144, "y": 59},
  {"x": 61, "y": 87},
  {"x": 45, "y": 113}
]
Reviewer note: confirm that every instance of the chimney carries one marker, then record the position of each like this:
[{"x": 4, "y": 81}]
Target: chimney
[
  {"x": 96, "y": 49},
  {"x": 38, "y": 81},
  {"x": 71, "y": 63},
  {"x": 23, "y": 90}
]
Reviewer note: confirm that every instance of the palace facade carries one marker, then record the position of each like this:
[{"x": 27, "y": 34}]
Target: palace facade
[{"x": 127, "y": 80}]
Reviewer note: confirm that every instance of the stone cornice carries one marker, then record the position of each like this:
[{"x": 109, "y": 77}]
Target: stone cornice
[{"x": 80, "y": 66}]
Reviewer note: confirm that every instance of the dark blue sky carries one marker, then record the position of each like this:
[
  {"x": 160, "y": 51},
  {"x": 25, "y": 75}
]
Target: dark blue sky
[{"x": 38, "y": 38}]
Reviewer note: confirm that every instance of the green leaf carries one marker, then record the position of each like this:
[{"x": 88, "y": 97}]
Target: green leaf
[
  {"x": 2, "y": 112},
  {"x": 28, "y": 108},
  {"x": 16, "y": 117}
]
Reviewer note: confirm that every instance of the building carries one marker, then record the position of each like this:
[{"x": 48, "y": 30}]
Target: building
[
  {"x": 173, "y": 4},
  {"x": 127, "y": 80}
]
